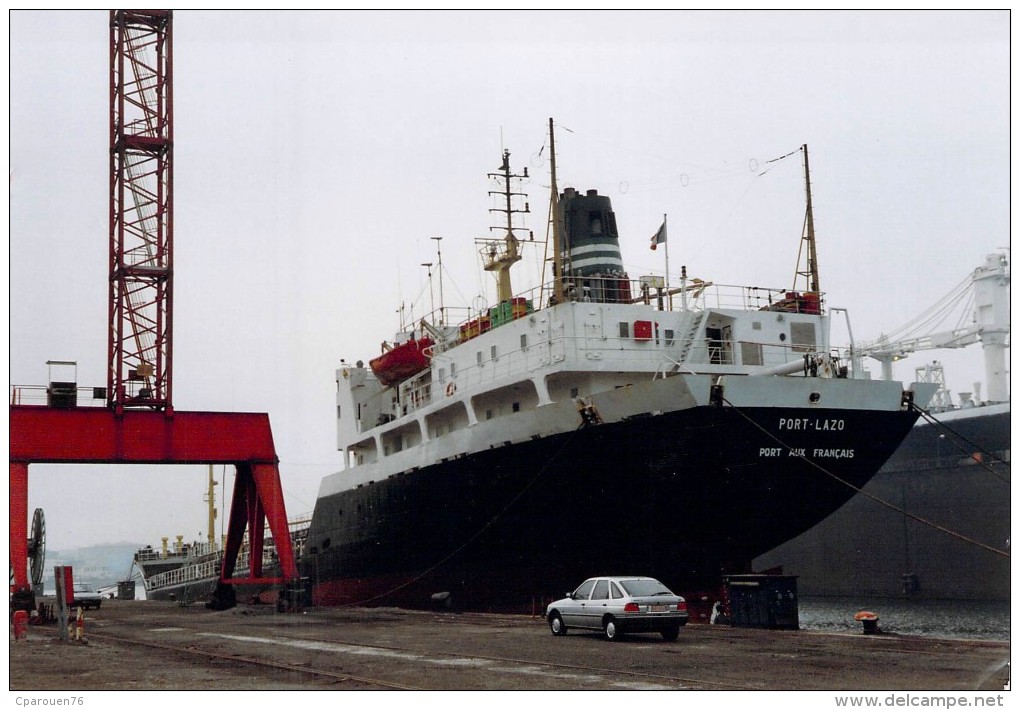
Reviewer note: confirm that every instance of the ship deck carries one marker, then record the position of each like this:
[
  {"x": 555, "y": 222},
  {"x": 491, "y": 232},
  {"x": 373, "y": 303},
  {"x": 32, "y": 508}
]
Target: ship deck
[{"x": 148, "y": 645}]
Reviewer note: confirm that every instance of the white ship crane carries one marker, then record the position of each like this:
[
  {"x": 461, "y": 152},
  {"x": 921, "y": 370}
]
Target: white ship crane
[{"x": 984, "y": 299}]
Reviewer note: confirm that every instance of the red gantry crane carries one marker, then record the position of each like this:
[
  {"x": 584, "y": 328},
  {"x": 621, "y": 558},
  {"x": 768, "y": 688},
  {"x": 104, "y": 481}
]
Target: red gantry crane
[{"x": 138, "y": 423}]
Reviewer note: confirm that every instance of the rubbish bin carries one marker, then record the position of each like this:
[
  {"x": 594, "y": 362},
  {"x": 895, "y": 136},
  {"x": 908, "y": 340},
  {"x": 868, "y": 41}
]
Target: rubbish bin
[{"x": 763, "y": 601}]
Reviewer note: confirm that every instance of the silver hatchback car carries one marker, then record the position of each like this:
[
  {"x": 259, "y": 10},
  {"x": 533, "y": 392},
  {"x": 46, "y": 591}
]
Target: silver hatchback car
[{"x": 618, "y": 605}]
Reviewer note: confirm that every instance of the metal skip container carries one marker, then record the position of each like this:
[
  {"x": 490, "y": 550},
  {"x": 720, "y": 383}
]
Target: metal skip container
[{"x": 763, "y": 601}]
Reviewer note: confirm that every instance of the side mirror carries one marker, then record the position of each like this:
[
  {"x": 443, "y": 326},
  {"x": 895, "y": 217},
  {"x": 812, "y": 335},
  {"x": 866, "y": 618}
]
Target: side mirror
[{"x": 570, "y": 595}]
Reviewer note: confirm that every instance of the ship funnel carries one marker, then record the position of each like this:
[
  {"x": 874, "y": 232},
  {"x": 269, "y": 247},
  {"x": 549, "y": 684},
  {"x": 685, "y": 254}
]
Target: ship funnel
[{"x": 592, "y": 263}]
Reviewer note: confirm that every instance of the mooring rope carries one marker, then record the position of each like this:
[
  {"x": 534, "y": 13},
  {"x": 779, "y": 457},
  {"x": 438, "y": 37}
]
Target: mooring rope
[
  {"x": 941, "y": 425},
  {"x": 864, "y": 493}
]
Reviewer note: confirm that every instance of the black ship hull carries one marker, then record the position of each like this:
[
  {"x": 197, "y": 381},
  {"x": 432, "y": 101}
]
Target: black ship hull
[
  {"x": 684, "y": 496},
  {"x": 947, "y": 480}
]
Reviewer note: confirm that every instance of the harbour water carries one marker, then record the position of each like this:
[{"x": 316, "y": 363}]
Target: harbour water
[{"x": 939, "y": 618}]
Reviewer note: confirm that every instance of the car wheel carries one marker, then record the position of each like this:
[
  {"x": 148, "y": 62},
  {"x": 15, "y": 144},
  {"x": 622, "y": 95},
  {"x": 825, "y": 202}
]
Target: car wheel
[
  {"x": 557, "y": 625},
  {"x": 609, "y": 629},
  {"x": 671, "y": 633}
]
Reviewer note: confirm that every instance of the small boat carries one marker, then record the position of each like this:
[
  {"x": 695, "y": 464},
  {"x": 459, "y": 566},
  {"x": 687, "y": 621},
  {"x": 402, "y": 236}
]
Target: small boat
[{"x": 399, "y": 362}]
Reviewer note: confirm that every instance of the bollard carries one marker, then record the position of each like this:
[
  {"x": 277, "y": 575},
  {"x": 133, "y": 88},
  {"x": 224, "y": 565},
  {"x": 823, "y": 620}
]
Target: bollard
[
  {"x": 20, "y": 625},
  {"x": 870, "y": 621}
]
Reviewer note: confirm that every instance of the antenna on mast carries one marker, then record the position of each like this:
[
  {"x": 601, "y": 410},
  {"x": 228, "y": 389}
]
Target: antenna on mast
[
  {"x": 500, "y": 257},
  {"x": 439, "y": 259},
  {"x": 554, "y": 202}
]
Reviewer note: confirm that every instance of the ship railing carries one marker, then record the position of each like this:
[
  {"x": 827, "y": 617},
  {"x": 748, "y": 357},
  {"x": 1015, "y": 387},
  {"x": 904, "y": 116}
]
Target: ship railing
[
  {"x": 685, "y": 352},
  {"x": 60, "y": 395},
  {"x": 190, "y": 549},
  {"x": 697, "y": 294},
  {"x": 188, "y": 573},
  {"x": 694, "y": 295}
]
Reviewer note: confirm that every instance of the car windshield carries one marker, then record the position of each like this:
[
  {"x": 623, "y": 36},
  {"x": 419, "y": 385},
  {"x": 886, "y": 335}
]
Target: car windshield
[
  {"x": 644, "y": 587},
  {"x": 83, "y": 588}
]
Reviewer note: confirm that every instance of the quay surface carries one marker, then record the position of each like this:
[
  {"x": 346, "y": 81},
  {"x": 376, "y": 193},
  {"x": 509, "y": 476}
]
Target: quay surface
[{"x": 149, "y": 645}]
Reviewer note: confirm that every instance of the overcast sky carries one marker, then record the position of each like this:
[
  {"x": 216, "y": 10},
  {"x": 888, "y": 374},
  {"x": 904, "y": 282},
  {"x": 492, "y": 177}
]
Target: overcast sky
[{"x": 317, "y": 154}]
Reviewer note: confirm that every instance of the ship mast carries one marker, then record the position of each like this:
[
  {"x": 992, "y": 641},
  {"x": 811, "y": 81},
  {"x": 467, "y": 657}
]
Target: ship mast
[
  {"x": 554, "y": 202},
  {"x": 500, "y": 258},
  {"x": 810, "y": 273},
  {"x": 211, "y": 500}
]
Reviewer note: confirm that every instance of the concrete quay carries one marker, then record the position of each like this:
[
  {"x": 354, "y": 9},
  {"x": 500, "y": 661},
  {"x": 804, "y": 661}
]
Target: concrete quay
[{"x": 149, "y": 645}]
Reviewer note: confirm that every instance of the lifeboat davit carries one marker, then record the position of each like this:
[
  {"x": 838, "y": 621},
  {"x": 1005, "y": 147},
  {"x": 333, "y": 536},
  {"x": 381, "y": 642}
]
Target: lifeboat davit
[{"x": 401, "y": 361}]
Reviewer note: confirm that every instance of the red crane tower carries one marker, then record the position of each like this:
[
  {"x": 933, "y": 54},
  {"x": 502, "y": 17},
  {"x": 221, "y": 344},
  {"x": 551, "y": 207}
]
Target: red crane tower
[
  {"x": 141, "y": 209},
  {"x": 138, "y": 423}
]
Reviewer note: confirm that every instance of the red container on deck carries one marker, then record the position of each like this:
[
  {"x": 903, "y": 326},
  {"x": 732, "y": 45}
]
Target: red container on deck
[{"x": 642, "y": 330}]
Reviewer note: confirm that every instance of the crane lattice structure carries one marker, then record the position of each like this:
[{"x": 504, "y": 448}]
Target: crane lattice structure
[
  {"x": 141, "y": 209},
  {"x": 139, "y": 424}
]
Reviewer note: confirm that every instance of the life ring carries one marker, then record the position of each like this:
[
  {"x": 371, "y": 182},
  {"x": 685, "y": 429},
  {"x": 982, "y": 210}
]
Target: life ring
[{"x": 450, "y": 389}]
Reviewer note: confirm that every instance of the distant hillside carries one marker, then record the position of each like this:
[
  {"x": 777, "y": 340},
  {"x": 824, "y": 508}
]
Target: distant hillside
[{"x": 100, "y": 565}]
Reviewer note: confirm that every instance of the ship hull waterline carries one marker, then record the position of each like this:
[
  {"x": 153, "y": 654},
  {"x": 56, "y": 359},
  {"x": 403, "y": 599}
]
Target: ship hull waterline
[{"x": 685, "y": 496}]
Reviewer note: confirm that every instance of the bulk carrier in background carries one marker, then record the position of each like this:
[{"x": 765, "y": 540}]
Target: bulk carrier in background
[
  {"x": 188, "y": 572},
  {"x": 595, "y": 424},
  {"x": 935, "y": 522}
]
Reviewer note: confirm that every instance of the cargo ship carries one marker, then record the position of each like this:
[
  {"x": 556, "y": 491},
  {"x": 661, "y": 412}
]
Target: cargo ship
[
  {"x": 188, "y": 572},
  {"x": 591, "y": 425},
  {"x": 935, "y": 522}
]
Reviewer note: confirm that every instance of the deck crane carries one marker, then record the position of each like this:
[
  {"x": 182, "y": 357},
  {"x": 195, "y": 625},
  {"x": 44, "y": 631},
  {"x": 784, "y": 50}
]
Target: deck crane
[{"x": 986, "y": 289}]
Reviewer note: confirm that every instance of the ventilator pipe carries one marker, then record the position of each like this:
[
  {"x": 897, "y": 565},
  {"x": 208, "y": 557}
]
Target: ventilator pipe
[{"x": 787, "y": 368}]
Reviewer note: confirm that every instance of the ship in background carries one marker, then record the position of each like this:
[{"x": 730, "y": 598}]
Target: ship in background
[
  {"x": 592, "y": 424},
  {"x": 935, "y": 522},
  {"x": 188, "y": 572}
]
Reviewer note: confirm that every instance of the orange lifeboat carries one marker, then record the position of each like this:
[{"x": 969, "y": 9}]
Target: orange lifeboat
[{"x": 401, "y": 361}]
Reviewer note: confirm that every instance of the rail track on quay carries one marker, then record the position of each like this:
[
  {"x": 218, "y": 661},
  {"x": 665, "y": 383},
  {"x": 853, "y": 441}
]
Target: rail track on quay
[{"x": 634, "y": 679}]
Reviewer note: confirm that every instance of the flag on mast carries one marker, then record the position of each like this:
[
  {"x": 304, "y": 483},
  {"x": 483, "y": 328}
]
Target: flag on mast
[{"x": 660, "y": 236}]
